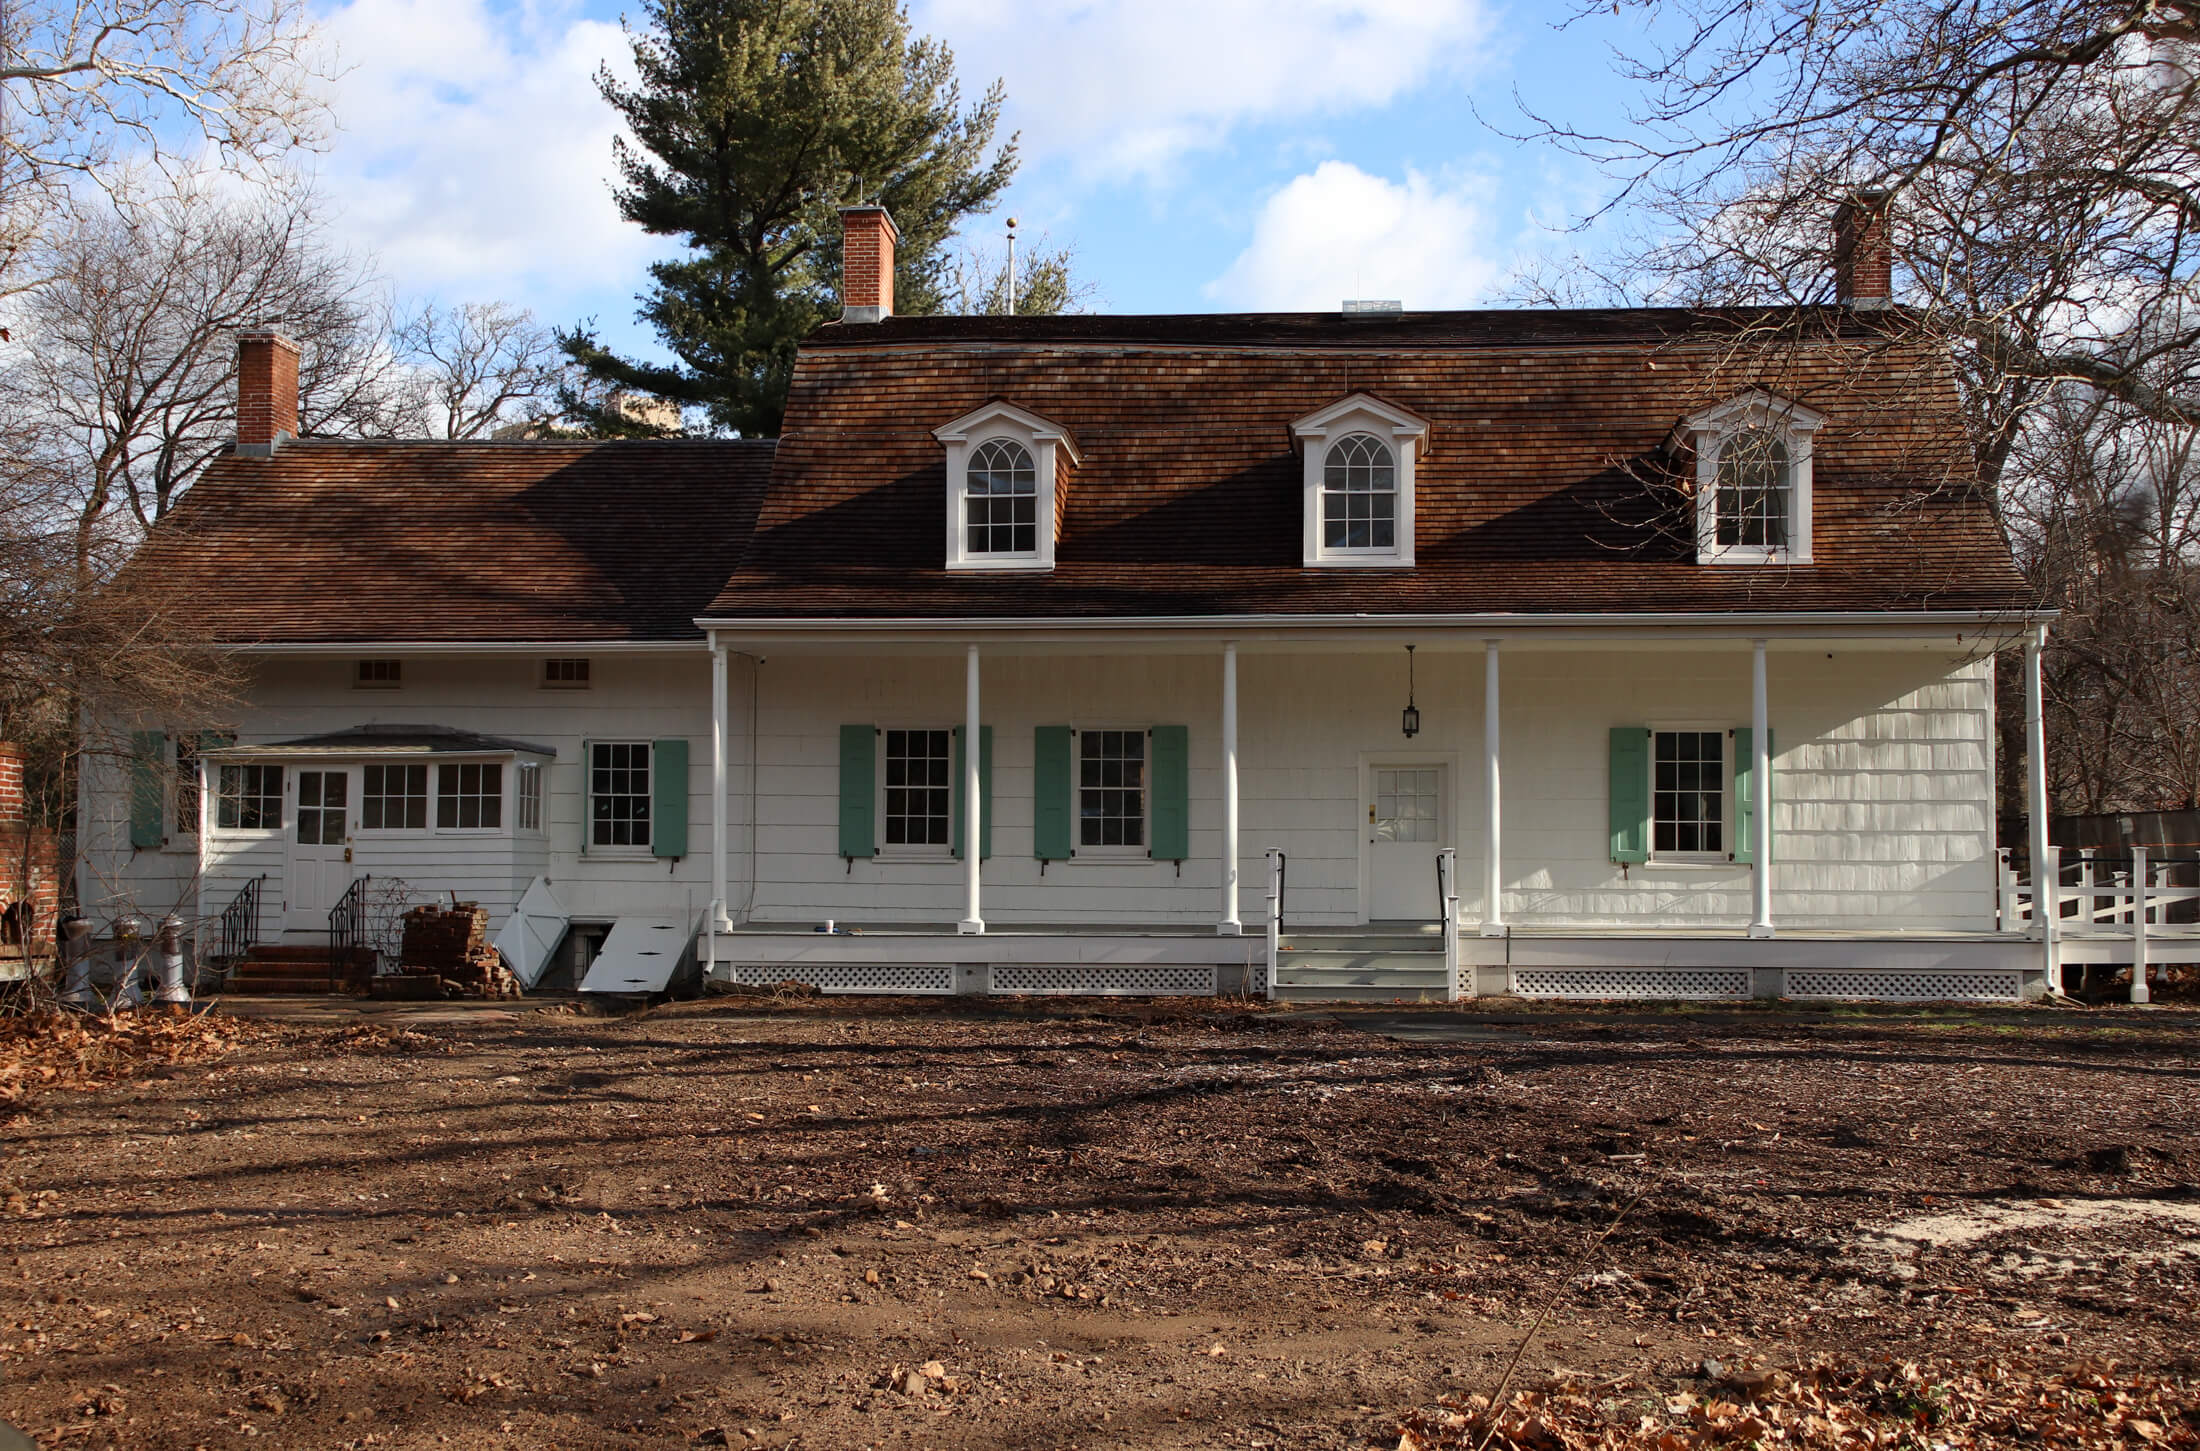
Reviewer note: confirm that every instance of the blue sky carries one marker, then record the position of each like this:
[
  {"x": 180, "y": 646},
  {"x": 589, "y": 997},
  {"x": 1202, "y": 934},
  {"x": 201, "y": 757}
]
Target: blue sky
[{"x": 1198, "y": 155}]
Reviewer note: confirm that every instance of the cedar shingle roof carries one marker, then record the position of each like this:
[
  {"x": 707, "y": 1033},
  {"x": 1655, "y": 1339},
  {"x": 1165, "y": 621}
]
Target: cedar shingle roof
[
  {"x": 332, "y": 541},
  {"x": 1546, "y": 486}
]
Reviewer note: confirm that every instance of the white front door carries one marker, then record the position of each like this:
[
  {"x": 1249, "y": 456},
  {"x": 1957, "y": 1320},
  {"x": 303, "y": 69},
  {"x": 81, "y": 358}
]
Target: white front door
[
  {"x": 1405, "y": 830},
  {"x": 319, "y": 868}
]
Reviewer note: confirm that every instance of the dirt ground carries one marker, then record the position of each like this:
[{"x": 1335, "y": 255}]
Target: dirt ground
[{"x": 840, "y": 1223}]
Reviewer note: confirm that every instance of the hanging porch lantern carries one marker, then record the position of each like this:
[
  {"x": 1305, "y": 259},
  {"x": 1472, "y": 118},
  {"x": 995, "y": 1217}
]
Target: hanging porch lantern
[{"x": 1411, "y": 722}]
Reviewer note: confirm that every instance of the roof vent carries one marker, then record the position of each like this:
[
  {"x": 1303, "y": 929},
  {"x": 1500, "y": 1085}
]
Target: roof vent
[{"x": 1373, "y": 306}]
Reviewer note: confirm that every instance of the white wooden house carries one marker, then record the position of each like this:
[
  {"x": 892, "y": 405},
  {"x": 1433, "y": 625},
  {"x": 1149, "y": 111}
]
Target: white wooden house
[{"x": 1612, "y": 653}]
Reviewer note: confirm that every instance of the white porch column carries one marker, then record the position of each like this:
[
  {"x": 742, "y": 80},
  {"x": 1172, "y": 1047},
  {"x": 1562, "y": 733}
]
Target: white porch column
[
  {"x": 1493, "y": 865},
  {"x": 1760, "y": 783},
  {"x": 973, "y": 918},
  {"x": 718, "y": 727},
  {"x": 2046, "y": 902},
  {"x": 1229, "y": 925}
]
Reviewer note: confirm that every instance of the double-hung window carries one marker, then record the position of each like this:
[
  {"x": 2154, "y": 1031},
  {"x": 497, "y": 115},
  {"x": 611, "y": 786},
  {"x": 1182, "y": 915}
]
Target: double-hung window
[
  {"x": 1360, "y": 496},
  {"x": 1753, "y": 480},
  {"x": 1001, "y": 502},
  {"x": 1111, "y": 789},
  {"x": 1360, "y": 454},
  {"x": 1753, "y": 491},
  {"x": 394, "y": 798},
  {"x": 917, "y": 786},
  {"x": 527, "y": 795},
  {"x": 469, "y": 796},
  {"x": 1688, "y": 795},
  {"x": 1007, "y": 472},
  {"x": 618, "y": 794},
  {"x": 249, "y": 798}
]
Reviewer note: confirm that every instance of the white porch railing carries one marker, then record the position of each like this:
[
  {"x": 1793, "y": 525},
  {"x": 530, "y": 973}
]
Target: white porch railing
[
  {"x": 2093, "y": 900},
  {"x": 1275, "y": 918},
  {"x": 1447, "y": 891}
]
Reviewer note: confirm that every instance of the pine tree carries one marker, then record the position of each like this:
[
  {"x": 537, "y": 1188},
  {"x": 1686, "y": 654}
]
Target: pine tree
[{"x": 753, "y": 121}]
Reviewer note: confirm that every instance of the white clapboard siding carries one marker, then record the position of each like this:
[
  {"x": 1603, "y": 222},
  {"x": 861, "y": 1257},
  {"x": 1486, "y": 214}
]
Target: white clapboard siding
[{"x": 1883, "y": 805}]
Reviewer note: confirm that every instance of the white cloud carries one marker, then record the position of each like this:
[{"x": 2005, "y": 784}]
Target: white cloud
[
  {"x": 1129, "y": 86},
  {"x": 1337, "y": 232},
  {"x": 474, "y": 151}
]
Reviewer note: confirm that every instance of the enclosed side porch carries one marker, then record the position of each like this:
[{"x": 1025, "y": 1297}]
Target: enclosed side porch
[{"x": 1303, "y": 811}]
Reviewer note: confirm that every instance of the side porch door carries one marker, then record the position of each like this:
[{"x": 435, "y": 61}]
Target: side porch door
[
  {"x": 1406, "y": 827},
  {"x": 318, "y": 870}
]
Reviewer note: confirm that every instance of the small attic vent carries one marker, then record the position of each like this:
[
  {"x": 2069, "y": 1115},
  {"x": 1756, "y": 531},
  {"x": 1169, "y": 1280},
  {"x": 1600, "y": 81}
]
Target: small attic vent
[{"x": 1364, "y": 306}]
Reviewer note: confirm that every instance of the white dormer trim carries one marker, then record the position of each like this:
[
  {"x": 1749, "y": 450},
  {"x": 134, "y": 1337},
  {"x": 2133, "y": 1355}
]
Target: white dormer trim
[
  {"x": 1047, "y": 442},
  {"x": 1711, "y": 430},
  {"x": 1407, "y": 436}
]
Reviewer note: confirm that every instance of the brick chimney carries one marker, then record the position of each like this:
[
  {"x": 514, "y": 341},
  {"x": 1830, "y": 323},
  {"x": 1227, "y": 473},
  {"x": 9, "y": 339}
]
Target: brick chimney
[
  {"x": 867, "y": 238},
  {"x": 267, "y": 393},
  {"x": 11, "y": 782},
  {"x": 1863, "y": 254}
]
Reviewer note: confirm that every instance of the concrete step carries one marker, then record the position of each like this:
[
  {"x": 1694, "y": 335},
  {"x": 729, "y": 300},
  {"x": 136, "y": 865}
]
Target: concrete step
[{"x": 1348, "y": 993}]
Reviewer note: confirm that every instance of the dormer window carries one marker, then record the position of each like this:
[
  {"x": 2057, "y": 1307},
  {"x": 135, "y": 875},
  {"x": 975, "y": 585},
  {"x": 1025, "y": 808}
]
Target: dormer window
[
  {"x": 1358, "y": 496},
  {"x": 1007, "y": 476},
  {"x": 1753, "y": 481},
  {"x": 1001, "y": 502}
]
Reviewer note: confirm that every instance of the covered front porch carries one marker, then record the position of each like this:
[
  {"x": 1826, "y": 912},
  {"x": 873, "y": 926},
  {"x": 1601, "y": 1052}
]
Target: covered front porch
[{"x": 1559, "y": 808}]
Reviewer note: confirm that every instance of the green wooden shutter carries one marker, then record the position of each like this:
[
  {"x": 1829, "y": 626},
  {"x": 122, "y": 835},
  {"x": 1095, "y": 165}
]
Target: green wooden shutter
[
  {"x": 985, "y": 794},
  {"x": 1169, "y": 794},
  {"x": 1050, "y": 793},
  {"x": 148, "y": 798},
  {"x": 858, "y": 790},
  {"x": 1630, "y": 794},
  {"x": 668, "y": 798},
  {"x": 1745, "y": 791}
]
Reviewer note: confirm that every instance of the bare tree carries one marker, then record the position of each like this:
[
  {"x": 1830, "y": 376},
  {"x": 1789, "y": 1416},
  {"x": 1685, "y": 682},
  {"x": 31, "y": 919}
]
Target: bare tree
[
  {"x": 84, "y": 81},
  {"x": 475, "y": 368},
  {"x": 2035, "y": 158},
  {"x": 1045, "y": 282}
]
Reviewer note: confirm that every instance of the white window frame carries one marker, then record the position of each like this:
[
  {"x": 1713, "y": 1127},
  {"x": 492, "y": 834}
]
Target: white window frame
[
  {"x": 283, "y": 788},
  {"x": 1724, "y": 857},
  {"x": 544, "y": 678},
  {"x": 427, "y": 798},
  {"x": 527, "y": 797},
  {"x": 589, "y": 845},
  {"x": 913, "y": 851},
  {"x": 1142, "y": 850},
  {"x": 1711, "y": 430},
  {"x": 1407, "y": 436},
  {"x": 503, "y": 797},
  {"x": 395, "y": 680},
  {"x": 1049, "y": 445}
]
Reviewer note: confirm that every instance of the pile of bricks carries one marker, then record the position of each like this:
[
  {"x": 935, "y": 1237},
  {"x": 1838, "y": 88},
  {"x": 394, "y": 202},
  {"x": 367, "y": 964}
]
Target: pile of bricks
[{"x": 445, "y": 953}]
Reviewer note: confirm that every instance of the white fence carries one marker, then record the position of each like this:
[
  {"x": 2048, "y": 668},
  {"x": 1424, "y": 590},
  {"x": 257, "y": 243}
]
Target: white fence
[{"x": 2103, "y": 907}]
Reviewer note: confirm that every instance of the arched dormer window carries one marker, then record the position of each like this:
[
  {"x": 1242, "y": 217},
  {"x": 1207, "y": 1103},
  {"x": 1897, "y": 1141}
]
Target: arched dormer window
[
  {"x": 1360, "y": 454},
  {"x": 1007, "y": 479},
  {"x": 1359, "y": 495},
  {"x": 1001, "y": 501},
  {"x": 1753, "y": 480}
]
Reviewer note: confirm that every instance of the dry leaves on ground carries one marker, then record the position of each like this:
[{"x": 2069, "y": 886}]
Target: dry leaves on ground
[
  {"x": 1828, "y": 1404},
  {"x": 70, "y": 1050}
]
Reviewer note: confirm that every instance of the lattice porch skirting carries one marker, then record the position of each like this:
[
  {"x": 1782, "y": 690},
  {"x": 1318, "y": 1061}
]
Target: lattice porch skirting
[
  {"x": 1949, "y": 985},
  {"x": 1121, "y": 979},
  {"x": 1631, "y": 982},
  {"x": 856, "y": 977}
]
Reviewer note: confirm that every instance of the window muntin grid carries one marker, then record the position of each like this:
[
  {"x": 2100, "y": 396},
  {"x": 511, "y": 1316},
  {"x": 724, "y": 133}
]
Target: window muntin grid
[
  {"x": 379, "y": 674},
  {"x": 618, "y": 793},
  {"x": 1688, "y": 793},
  {"x": 1359, "y": 495},
  {"x": 249, "y": 798},
  {"x": 565, "y": 673},
  {"x": 1111, "y": 788},
  {"x": 527, "y": 792},
  {"x": 323, "y": 802},
  {"x": 1753, "y": 486},
  {"x": 919, "y": 786},
  {"x": 1406, "y": 803},
  {"x": 394, "y": 798},
  {"x": 1001, "y": 499},
  {"x": 469, "y": 796}
]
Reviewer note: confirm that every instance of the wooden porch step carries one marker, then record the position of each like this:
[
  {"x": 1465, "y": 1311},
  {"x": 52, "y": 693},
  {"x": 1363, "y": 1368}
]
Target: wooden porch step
[{"x": 1355, "y": 993}]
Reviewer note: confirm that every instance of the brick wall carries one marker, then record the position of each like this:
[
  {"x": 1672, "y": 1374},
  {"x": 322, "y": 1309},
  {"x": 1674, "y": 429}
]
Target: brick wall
[
  {"x": 267, "y": 390},
  {"x": 868, "y": 235}
]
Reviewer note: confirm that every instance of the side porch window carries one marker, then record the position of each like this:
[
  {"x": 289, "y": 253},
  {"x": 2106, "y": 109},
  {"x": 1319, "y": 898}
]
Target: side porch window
[
  {"x": 918, "y": 786},
  {"x": 469, "y": 796},
  {"x": 1688, "y": 806},
  {"x": 394, "y": 798},
  {"x": 1111, "y": 789},
  {"x": 249, "y": 798}
]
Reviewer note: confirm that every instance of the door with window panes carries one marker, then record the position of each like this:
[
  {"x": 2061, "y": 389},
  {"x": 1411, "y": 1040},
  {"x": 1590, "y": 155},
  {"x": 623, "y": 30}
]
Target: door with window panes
[
  {"x": 319, "y": 869},
  {"x": 1405, "y": 830}
]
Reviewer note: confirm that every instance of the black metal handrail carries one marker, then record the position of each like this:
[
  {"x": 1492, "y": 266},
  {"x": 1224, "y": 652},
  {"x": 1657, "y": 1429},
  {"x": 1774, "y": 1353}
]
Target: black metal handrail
[
  {"x": 1283, "y": 884},
  {"x": 240, "y": 922},
  {"x": 343, "y": 928}
]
